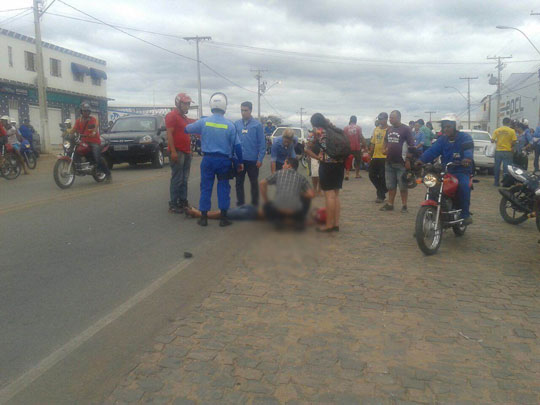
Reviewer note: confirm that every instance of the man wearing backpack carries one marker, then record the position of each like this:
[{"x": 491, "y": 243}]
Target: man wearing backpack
[{"x": 399, "y": 146}]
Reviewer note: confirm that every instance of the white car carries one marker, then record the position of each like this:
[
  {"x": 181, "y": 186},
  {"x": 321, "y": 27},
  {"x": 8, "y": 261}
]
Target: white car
[{"x": 482, "y": 140}]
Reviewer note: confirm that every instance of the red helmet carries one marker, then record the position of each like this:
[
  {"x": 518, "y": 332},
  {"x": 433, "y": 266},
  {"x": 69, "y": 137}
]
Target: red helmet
[
  {"x": 182, "y": 98},
  {"x": 366, "y": 157}
]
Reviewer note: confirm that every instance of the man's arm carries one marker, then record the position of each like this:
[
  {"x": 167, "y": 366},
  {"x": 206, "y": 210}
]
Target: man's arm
[
  {"x": 261, "y": 142},
  {"x": 362, "y": 141},
  {"x": 170, "y": 142},
  {"x": 195, "y": 128},
  {"x": 432, "y": 152}
]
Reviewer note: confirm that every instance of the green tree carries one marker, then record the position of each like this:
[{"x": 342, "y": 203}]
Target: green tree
[{"x": 275, "y": 120}]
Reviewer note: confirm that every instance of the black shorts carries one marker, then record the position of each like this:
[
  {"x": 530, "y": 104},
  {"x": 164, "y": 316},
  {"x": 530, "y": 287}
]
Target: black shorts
[{"x": 331, "y": 176}]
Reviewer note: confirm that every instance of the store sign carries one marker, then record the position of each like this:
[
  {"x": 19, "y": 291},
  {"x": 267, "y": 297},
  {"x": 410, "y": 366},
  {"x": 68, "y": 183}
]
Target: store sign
[{"x": 512, "y": 107}]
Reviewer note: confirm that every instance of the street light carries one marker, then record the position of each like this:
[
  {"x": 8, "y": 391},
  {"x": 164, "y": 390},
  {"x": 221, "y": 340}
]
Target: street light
[
  {"x": 504, "y": 27},
  {"x": 460, "y": 93},
  {"x": 265, "y": 89}
]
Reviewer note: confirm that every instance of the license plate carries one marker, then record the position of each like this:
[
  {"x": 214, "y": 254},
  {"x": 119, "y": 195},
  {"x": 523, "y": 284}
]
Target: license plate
[{"x": 121, "y": 147}]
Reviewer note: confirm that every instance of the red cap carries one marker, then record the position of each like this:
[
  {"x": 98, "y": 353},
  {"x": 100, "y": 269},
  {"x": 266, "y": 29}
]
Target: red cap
[{"x": 182, "y": 97}]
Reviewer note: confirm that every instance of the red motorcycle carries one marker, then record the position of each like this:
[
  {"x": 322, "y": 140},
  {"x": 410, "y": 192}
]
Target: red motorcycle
[
  {"x": 438, "y": 211},
  {"x": 77, "y": 160}
]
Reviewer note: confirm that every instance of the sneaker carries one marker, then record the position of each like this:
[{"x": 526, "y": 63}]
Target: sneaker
[
  {"x": 224, "y": 222},
  {"x": 404, "y": 209},
  {"x": 387, "y": 207},
  {"x": 203, "y": 221},
  {"x": 467, "y": 221},
  {"x": 108, "y": 179},
  {"x": 176, "y": 209}
]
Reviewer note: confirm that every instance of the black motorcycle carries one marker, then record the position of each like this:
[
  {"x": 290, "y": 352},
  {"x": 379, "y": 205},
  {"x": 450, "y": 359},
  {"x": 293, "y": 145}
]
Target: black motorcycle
[{"x": 518, "y": 195}]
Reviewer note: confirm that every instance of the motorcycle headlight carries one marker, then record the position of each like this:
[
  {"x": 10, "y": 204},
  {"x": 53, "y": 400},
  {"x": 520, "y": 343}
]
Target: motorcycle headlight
[
  {"x": 67, "y": 144},
  {"x": 146, "y": 139},
  {"x": 430, "y": 180}
]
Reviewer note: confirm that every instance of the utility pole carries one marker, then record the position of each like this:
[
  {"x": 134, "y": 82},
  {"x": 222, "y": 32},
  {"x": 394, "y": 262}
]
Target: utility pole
[
  {"x": 430, "y": 112},
  {"x": 499, "y": 69},
  {"x": 469, "y": 96},
  {"x": 198, "y": 39},
  {"x": 41, "y": 84},
  {"x": 302, "y": 111},
  {"x": 261, "y": 87}
]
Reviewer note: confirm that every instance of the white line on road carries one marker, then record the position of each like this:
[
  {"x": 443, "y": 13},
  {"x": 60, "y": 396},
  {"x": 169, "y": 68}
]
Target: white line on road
[{"x": 48, "y": 362}]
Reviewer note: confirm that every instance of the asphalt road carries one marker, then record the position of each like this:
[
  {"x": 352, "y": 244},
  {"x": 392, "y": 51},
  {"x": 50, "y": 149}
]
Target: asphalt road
[{"x": 70, "y": 257}]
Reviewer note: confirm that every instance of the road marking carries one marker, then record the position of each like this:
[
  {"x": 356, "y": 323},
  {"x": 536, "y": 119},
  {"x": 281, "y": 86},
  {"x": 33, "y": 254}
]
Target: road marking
[{"x": 54, "y": 358}]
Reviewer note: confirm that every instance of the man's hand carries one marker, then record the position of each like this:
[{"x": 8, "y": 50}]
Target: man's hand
[
  {"x": 174, "y": 156},
  {"x": 259, "y": 164},
  {"x": 466, "y": 162},
  {"x": 240, "y": 168}
]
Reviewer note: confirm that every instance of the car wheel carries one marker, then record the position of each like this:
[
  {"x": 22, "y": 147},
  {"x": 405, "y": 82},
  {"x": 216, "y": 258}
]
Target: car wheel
[{"x": 158, "y": 159}]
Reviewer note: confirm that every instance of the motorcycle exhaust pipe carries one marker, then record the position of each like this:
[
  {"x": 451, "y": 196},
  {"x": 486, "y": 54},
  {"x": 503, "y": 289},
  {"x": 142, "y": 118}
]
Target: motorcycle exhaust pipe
[{"x": 515, "y": 203}]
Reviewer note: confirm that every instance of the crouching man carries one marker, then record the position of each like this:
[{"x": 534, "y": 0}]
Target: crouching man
[{"x": 293, "y": 196}]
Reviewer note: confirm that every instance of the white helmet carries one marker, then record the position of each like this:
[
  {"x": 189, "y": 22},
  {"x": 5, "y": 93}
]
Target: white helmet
[
  {"x": 452, "y": 118},
  {"x": 525, "y": 121},
  {"x": 218, "y": 101},
  {"x": 68, "y": 121},
  {"x": 14, "y": 122},
  {"x": 5, "y": 118}
]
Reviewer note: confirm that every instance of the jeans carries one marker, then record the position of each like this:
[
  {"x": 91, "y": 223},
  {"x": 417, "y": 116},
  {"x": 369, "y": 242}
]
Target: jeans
[
  {"x": 506, "y": 159},
  {"x": 212, "y": 167},
  {"x": 96, "y": 153},
  {"x": 536, "y": 157},
  {"x": 377, "y": 177},
  {"x": 393, "y": 173},
  {"x": 179, "y": 179},
  {"x": 253, "y": 173},
  {"x": 464, "y": 194}
]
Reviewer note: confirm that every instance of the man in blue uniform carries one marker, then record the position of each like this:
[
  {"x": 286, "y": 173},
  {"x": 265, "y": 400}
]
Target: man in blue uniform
[
  {"x": 219, "y": 141},
  {"x": 250, "y": 132},
  {"x": 455, "y": 146},
  {"x": 282, "y": 148}
]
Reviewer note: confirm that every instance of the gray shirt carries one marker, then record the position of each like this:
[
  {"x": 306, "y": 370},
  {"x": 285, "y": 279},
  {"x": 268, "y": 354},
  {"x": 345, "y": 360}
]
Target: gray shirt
[{"x": 289, "y": 187}]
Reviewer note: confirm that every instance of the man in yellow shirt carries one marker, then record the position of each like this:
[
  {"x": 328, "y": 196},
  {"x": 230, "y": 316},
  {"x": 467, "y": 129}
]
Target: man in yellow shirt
[
  {"x": 506, "y": 138},
  {"x": 378, "y": 158}
]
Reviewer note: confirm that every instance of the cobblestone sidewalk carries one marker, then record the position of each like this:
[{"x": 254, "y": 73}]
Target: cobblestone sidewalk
[{"x": 360, "y": 317}]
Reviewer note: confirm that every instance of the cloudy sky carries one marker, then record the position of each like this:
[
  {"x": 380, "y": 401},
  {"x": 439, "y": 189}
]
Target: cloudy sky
[{"x": 337, "y": 57}]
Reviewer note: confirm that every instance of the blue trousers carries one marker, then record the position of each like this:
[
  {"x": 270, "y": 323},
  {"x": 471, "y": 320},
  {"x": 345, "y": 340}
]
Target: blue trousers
[
  {"x": 212, "y": 166},
  {"x": 179, "y": 179},
  {"x": 464, "y": 194},
  {"x": 506, "y": 159}
]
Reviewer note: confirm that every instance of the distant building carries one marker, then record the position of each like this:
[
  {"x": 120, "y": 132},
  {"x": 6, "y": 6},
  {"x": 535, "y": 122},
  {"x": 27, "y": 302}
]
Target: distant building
[{"x": 71, "y": 78}]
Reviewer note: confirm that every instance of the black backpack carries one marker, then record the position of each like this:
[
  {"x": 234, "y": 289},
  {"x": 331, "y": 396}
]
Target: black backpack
[{"x": 338, "y": 146}]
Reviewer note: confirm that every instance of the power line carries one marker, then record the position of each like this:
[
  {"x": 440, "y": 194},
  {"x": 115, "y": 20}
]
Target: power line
[
  {"x": 157, "y": 46},
  {"x": 273, "y": 108},
  {"x": 22, "y": 14},
  {"x": 15, "y": 9}
]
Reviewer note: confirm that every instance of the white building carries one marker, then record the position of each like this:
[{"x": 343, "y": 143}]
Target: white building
[{"x": 71, "y": 78}]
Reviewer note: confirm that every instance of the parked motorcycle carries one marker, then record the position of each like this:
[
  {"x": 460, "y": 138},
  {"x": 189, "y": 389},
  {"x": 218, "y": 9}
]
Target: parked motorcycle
[
  {"x": 77, "y": 160},
  {"x": 518, "y": 195},
  {"x": 438, "y": 211},
  {"x": 10, "y": 166},
  {"x": 28, "y": 154},
  {"x": 196, "y": 144}
]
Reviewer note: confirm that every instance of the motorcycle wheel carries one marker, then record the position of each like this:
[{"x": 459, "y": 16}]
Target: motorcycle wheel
[
  {"x": 62, "y": 177},
  {"x": 31, "y": 160},
  {"x": 428, "y": 238},
  {"x": 508, "y": 213},
  {"x": 12, "y": 167},
  {"x": 459, "y": 230},
  {"x": 97, "y": 175},
  {"x": 158, "y": 160}
]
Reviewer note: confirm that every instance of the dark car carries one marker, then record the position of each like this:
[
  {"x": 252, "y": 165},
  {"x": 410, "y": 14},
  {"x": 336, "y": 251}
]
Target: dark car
[{"x": 137, "y": 139}]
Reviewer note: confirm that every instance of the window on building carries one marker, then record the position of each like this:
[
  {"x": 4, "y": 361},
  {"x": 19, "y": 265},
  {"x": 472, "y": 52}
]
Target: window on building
[
  {"x": 10, "y": 55},
  {"x": 78, "y": 77},
  {"x": 30, "y": 61},
  {"x": 96, "y": 81},
  {"x": 56, "y": 70}
]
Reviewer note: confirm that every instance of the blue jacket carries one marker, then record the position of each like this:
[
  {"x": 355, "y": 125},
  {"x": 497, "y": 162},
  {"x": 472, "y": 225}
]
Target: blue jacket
[
  {"x": 252, "y": 138},
  {"x": 280, "y": 153},
  {"x": 418, "y": 138},
  {"x": 269, "y": 130},
  {"x": 218, "y": 135},
  {"x": 26, "y": 132},
  {"x": 523, "y": 140},
  {"x": 461, "y": 148},
  {"x": 536, "y": 138}
]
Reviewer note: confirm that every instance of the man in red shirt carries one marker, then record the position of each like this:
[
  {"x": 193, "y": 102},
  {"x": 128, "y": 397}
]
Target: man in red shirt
[
  {"x": 358, "y": 144},
  {"x": 87, "y": 126},
  {"x": 180, "y": 152}
]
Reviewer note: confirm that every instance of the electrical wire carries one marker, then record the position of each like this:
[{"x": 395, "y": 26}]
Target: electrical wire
[
  {"x": 158, "y": 46},
  {"x": 22, "y": 14},
  {"x": 270, "y": 104},
  {"x": 15, "y": 9}
]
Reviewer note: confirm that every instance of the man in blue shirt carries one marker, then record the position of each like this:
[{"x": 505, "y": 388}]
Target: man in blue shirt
[
  {"x": 455, "y": 146},
  {"x": 282, "y": 148},
  {"x": 250, "y": 132},
  {"x": 535, "y": 141},
  {"x": 269, "y": 128},
  {"x": 219, "y": 141}
]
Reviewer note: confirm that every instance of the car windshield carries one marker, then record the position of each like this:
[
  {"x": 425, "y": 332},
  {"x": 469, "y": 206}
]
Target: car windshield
[
  {"x": 480, "y": 136},
  {"x": 134, "y": 124},
  {"x": 297, "y": 132}
]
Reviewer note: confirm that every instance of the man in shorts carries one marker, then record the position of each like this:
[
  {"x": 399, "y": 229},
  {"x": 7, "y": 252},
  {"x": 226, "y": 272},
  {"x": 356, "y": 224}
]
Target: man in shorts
[
  {"x": 358, "y": 145},
  {"x": 399, "y": 146}
]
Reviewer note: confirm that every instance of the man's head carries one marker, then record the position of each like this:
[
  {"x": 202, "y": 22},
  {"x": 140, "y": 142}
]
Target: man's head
[
  {"x": 507, "y": 121},
  {"x": 382, "y": 118},
  {"x": 182, "y": 101},
  {"x": 85, "y": 110},
  {"x": 421, "y": 122},
  {"x": 417, "y": 126},
  {"x": 353, "y": 119},
  {"x": 411, "y": 124},
  {"x": 429, "y": 125},
  {"x": 26, "y": 121},
  {"x": 525, "y": 123},
  {"x": 395, "y": 118},
  {"x": 269, "y": 123},
  {"x": 288, "y": 137},
  {"x": 290, "y": 163},
  {"x": 245, "y": 109},
  {"x": 449, "y": 126},
  {"x": 218, "y": 103}
]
